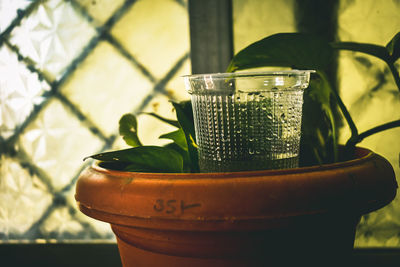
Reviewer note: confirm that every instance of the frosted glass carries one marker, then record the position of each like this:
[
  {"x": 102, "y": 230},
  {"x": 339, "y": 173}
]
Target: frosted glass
[
  {"x": 107, "y": 86},
  {"x": 23, "y": 200},
  {"x": 57, "y": 142},
  {"x": 9, "y": 10},
  {"x": 149, "y": 128},
  {"x": 61, "y": 225},
  {"x": 175, "y": 89},
  {"x": 100, "y": 10},
  {"x": 52, "y": 36},
  {"x": 368, "y": 89},
  {"x": 256, "y": 19},
  {"x": 20, "y": 91},
  {"x": 93, "y": 229},
  {"x": 375, "y": 21},
  {"x": 156, "y": 45},
  {"x": 63, "y": 89}
]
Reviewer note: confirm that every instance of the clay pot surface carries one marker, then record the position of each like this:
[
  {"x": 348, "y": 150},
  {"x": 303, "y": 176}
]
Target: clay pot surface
[{"x": 236, "y": 218}]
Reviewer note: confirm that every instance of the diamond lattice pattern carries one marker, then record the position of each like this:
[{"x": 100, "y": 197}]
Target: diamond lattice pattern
[{"x": 68, "y": 71}]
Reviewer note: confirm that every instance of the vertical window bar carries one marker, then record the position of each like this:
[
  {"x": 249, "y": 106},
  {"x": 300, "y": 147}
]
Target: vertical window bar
[
  {"x": 211, "y": 35},
  {"x": 321, "y": 18}
]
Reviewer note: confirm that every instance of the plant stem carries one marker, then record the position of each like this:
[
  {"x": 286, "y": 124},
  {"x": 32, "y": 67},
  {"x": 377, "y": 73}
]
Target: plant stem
[
  {"x": 379, "y": 52},
  {"x": 373, "y": 50},
  {"x": 345, "y": 112},
  {"x": 374, "y": 130},
  {"x": 347, "y": 116},
  {"x": 395, "y": 74}
]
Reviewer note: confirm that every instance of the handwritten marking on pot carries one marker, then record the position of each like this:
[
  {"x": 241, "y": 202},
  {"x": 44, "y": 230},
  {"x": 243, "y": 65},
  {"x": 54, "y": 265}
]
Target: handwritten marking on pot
[{"x": 171, "y": 206}]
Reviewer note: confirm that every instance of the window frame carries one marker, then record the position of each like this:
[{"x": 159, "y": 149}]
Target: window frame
[{"x": 211, "y": 38}]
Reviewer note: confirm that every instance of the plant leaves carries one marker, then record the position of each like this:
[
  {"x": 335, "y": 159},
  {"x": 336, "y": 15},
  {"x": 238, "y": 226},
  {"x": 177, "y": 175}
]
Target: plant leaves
[
  {"x": 184, "y": 154},
  {"x": 145, "y": 158},
  {"x": 178, "y": 137},
  {"x": 393, "y": 47},
  {"x": 128, "y": 130},
  {"x": 184, "y": 113},
  {"x": 168, "y": 121},
  {"x": 302, "y": 51},
  {"x": 295, "y": 50},
  {"x": 318, "y": 140}
]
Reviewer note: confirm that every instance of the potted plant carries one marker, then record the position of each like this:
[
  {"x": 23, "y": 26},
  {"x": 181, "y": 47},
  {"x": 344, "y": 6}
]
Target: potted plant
[{"x": 165, "y": 213}]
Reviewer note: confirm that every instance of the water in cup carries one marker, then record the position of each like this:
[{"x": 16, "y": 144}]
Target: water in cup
[{"x": 240, "y": 127}]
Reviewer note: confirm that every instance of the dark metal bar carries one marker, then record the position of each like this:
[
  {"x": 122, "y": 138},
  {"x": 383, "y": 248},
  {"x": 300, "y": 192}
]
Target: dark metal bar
[
  {"x": 211, "y": 35},
  {"x": 320, "y": 18}
]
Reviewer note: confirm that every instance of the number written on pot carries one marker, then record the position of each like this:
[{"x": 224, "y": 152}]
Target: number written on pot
[{"x": 173, "y": 206}]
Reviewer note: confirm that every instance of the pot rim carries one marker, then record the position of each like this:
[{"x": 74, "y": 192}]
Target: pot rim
[
  {"x": 361, "y": 155},
  {"x": 239, "y": 200}
]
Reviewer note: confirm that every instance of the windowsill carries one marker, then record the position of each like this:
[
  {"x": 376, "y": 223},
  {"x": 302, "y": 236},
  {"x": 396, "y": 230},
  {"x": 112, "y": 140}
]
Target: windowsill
[
  {"x": 99, "y": 255},
  {"x": 60, "y": 255}
]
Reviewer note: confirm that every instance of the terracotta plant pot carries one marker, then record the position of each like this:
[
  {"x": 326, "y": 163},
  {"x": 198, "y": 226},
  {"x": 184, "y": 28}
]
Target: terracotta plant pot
[{"x": 255, "y": 218}]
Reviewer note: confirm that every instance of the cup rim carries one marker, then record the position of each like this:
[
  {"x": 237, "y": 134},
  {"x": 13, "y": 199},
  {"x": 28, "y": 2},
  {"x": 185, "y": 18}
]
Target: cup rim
[{"x": 249, "y": 74}]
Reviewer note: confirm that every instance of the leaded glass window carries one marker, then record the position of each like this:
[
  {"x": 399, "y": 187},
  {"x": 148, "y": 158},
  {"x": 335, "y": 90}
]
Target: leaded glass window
[
  {"x": 68, "y": 71},
  {"x": 70, "y": 68}
]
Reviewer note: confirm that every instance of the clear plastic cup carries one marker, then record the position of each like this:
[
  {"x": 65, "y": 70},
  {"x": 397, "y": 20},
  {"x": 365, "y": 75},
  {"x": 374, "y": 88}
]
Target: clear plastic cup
[{"x": 248, "y": 120}]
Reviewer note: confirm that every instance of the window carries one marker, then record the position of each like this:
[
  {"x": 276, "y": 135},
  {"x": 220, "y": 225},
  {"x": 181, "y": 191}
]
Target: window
[{"x": 70, "y": 69}]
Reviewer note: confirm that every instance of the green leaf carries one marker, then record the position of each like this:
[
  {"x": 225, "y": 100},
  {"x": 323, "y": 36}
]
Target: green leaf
[
  {"x": 184, "y": 114},
  {"x": 168, "y": 121},
  {"x": 128, "y": 130},
  {"x": 145, "y": 158},
  {"x": 184, "y": 154},
  {"x": 179, "y": 145},
  {"x": 178, "y": 137},
  {"x": 318, "y": 140},
  {"x": 370, "y": 49},
  {"x": 393, "y": 47},
  {"x": 295, "y": 50},
  {"x": 302, "y": 51}
]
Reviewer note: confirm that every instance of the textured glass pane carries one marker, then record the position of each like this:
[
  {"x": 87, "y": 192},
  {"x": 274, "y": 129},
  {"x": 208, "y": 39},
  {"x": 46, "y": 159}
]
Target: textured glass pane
[
  {"x": 156, "y": 32},
  {"x": 56, "y": 125},
  {"x": 9, "y": 10},
  {"x": 368, "y": 89},
  {"x": 149, "y": 128},
  {"x": 52, "y": 36},
  {"x": 100, "y": 10},
  {"x": 20, "y": 91},
  {"x": 61, "y": 225},
  {"x": 256, "y": 19},
  {"x": 93, "y": 229},
  {"x": 106, "y": 86},
  {"x": 374, "y": 21},
  {"x": 57, "y": 142},
  {"x": 66, "y": 222},
  {"x": 175, "y": 89},
  {"x": 23, "y": 200}
]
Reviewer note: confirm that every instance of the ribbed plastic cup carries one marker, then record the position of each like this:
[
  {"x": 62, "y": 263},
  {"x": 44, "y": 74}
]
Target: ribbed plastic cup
[{"x": 247, "y": 120}]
